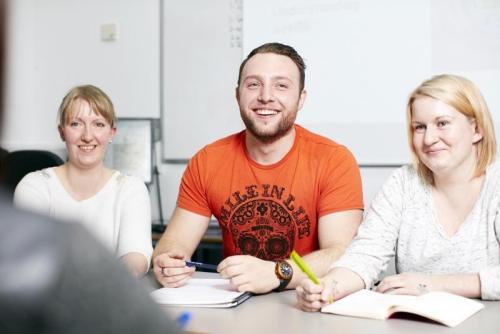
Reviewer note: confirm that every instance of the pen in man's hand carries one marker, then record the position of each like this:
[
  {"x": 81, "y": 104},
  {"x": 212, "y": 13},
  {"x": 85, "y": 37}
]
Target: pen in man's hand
[{"x": 200, "y": 265}]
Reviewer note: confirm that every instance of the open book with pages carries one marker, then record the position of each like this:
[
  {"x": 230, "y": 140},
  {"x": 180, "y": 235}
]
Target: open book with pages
[{"x": 442, "y": 307}]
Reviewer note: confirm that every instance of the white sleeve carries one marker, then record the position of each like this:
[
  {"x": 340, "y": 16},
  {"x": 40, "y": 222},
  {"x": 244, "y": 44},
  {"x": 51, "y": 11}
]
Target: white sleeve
[
  {"x": 135, "y": 219},
  {"x": 490, "y": 276},
  {"x": 376, "y": 239},
  {"x": 32, "y": 193}
]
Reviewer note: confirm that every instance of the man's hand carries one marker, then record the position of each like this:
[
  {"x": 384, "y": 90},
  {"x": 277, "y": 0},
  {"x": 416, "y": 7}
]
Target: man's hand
[
  {"x": 171, "y": 270},
  {"x": 248, "y": 273}
]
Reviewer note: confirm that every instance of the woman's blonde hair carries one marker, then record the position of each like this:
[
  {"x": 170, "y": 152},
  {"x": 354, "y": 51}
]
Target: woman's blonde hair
[
  {"x": 465, "y": 97},
  {"x": 96, "y": 98}
]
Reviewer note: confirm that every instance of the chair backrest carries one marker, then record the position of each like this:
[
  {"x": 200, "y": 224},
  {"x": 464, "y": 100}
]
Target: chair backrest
[
  {"x": 3, "y": 154},
  {"x": 17, "y": 164}
]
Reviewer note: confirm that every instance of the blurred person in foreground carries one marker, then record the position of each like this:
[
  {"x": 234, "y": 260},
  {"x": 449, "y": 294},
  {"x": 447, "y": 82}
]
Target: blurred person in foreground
[{"x": 55, "y": 278}]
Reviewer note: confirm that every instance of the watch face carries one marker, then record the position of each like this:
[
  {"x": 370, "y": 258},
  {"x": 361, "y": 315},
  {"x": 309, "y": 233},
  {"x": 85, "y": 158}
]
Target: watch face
[{"x": 285, "y": 270}]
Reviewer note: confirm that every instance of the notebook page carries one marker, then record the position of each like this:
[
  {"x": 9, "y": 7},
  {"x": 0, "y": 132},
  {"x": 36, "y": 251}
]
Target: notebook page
[
  {"x": 197, "y": 291},
  {"x": 366, "y": 304},
  {"x": 446, "y": 308}
]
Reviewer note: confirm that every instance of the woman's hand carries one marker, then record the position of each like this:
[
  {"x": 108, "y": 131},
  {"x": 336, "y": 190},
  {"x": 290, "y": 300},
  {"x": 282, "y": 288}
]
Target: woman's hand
[
  {"x": 408, "y": 284},
  {"x": 312, "y": 297},
  {"x": 336, "y": 284}
]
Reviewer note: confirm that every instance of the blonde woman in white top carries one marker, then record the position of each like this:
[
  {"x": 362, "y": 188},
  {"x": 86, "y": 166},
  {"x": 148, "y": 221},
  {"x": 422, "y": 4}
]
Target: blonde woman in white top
[
  {"x": 440, "y": 217},
  {"x": 113, "y": 206}
]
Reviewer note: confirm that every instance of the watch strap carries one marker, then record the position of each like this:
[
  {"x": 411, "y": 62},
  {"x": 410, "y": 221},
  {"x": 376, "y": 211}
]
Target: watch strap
[{"x": 283, "y": 284}]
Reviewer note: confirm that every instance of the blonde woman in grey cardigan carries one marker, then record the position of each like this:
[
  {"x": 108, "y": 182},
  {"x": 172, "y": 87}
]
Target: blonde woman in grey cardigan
[{"x": 439, "y": 217}]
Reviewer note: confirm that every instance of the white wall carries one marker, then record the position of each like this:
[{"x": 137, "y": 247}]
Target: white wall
[
  {"x": 21, "y": 123},
  {"x": 55, "y": 45}
]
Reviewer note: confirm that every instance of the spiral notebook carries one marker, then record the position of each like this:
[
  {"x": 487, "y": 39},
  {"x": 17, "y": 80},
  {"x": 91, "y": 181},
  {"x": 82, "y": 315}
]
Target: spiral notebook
[{"x": 201, "y": 292}]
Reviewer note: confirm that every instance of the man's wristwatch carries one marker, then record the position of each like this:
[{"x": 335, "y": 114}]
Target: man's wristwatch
[{"x": 284, "y": 272}]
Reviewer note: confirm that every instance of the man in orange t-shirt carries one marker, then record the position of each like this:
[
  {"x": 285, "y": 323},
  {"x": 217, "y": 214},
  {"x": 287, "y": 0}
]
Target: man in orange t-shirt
[{"x": 273, "y": 187}]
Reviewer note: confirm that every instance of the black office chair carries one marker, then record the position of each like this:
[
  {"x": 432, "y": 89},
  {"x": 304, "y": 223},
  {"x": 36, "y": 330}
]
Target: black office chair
[
  {"x": 3, "y": 155},
  {"x": 17, "y": 164}
]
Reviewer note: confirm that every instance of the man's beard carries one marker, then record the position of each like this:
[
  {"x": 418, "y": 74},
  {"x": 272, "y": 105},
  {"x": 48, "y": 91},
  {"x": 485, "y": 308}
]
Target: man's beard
[{"x": 269, "y": 135}]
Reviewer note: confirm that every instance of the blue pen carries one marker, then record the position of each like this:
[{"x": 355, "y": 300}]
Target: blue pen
[
  {"x": 200, "y": 265},
  {"x": 183, "y": 319}
]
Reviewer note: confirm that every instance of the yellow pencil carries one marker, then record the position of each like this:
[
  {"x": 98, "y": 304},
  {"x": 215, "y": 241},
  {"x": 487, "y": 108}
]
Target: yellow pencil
[{"x": 303, "y": 266}]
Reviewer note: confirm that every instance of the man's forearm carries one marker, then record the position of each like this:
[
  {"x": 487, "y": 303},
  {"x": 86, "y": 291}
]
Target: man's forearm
[
  {"x": 169, "y": 244},
  {"x": 183, "y": 233}
]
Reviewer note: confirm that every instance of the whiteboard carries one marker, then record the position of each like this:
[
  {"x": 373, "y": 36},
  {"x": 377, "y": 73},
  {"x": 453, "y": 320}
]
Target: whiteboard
[
  {"x": 364, "y": 57},
  {"x": 201, "y": 58}
]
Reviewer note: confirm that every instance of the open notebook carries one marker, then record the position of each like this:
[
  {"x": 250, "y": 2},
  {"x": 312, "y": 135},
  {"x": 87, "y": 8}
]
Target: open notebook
[
  {"x": 446, "y": 308},
  {"x": 201, "y": 292}
]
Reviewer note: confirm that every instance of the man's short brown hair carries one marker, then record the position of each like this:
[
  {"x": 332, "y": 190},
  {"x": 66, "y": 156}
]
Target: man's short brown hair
[{"x": 282, "y": 50}]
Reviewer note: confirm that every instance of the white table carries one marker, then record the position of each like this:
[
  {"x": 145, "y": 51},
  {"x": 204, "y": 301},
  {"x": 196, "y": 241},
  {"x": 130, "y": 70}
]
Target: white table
[{"x": 278, "y": 313}]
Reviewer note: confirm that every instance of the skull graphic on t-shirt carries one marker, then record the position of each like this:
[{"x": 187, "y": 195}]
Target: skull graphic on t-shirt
[{"x": 263, "y": 228}]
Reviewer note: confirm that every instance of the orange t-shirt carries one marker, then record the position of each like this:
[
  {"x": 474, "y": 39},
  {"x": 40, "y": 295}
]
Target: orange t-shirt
[{"x": 267, "y": 211}]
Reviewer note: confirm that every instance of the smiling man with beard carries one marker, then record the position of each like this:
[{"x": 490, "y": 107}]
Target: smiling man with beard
[{"x": 273, "y": 187}]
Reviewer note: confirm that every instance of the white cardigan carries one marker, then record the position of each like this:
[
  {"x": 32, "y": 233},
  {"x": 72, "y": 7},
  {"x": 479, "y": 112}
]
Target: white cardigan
[{"x": 402, "y": 222}]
